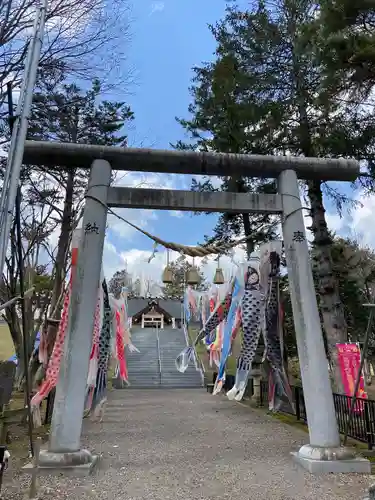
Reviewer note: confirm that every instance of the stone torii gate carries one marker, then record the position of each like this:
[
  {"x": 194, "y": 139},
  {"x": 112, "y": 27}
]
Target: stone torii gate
[{"x": 323, "y": 453}]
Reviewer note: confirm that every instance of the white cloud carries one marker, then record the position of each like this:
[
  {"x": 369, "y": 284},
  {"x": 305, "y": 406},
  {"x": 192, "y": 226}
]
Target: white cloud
[
  {"x": 157, "y": 7},
  {"x": 112, "y": 260},
  {"x": 147, "y": 180},
  {"x": 176, "y": 213},
  {"x": 140, "y": 217},
  {"x": 361, "y": 224},
  {"x": 136, "y": 261},
  {"x": 334, "y": 222}
]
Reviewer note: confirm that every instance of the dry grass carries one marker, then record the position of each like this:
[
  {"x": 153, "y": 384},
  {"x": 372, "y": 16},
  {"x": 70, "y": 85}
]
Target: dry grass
[
  {"x": 6, "y": 343},
  {"x": 18, "y": 430}
]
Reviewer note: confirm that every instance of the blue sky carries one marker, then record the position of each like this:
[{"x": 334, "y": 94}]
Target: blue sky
[{"x": 168, "y": 38}]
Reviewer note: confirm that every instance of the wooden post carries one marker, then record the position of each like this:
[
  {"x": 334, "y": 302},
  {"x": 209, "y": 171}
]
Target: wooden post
[{"x": 34, "y": 474}]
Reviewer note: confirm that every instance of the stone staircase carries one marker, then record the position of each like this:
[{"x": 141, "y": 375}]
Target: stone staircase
[
  {"x": 154, "y": 366},
  {"x": 171, "y": 343},
  {"x": 143, "y": 367}
]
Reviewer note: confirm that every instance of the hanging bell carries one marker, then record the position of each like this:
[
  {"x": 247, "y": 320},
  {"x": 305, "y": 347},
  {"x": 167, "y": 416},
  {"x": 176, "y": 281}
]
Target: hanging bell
[
  {"x": 192, "y": 276},
  {"x": 219, "y": 276},
  {"x": 167, "y": 276}
]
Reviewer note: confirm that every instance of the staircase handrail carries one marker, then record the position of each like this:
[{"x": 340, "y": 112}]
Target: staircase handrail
[{"x": 158, "y": 348}]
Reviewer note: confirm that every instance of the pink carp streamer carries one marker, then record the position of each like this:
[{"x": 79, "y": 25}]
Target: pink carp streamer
[
  {"x": 204, "y": 306},
  {"x": 53, "y": 368},
  {"x": 94, "y": 356},
  {"x": 121, "y": 335},
  {"x": 53, "y": 365},
  {"x": 120, "y": 348},
  {"x": 217, "y": 343}
]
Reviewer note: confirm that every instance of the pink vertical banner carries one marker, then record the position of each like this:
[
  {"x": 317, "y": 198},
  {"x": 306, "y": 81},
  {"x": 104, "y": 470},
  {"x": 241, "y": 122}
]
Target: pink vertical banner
[{"x": 349, "y": 357}]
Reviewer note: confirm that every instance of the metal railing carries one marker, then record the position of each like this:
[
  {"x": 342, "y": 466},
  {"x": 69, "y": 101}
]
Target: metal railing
[
  {"x": 199, "y": 366},
  {"x": 361, "y": 428},
  {"x": 158, "y": 349}
]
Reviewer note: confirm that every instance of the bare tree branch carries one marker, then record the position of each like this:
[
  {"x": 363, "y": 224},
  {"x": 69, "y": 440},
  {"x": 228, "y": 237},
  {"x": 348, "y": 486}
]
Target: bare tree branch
[{"x": 78, "y": 34}]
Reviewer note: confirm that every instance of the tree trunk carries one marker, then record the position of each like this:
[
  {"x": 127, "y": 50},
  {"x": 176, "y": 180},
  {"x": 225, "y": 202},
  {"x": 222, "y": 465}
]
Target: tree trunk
[
  {"x": 63, "y": 244},
  {"x": 331, "y": 307},
  {"x": 12, "y": 320},
  {"x": 247, "y": 231},
  {"x": 30, "y": 333},
  {"x": 366, "y": 373}
]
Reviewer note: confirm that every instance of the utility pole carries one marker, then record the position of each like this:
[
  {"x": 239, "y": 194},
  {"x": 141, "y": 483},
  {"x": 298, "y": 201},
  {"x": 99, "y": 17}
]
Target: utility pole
[{"x": 17, "y": 143}]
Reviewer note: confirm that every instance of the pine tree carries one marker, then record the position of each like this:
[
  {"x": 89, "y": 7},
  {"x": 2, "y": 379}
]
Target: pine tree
[
  {"x": 354, "y": 268},
  {"x": 64, "y": 112},
  {"x": 121, "y": 279},
  {"x": 221, "y": 116},
  {"x": 269, "y": 97},
  {"x": 347, "y": 36},
  {"x": 180, "y": 267}
]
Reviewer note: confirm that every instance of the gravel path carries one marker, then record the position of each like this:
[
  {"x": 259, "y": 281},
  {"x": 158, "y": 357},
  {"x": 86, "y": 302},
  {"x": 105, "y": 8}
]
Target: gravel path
[{"x": 190, "y": 445}]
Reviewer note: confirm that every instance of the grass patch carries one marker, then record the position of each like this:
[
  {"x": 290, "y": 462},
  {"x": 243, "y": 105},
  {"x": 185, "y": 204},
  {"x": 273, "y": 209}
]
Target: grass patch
[
  {"x": 17, "y": 401},
  {"x": 203, "y": 354},
  {"x": 16, "y": 430},
  {"x": 6, "y": 343},
  {"x": 290, "y": 420},
  {"x": 361, "y": 448}
]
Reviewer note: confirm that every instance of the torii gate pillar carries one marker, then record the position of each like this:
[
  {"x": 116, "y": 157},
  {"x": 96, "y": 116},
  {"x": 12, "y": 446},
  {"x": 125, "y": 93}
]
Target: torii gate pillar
[
  {"x": 64, "y": 453},
  {"x": 323, "y": 454}
]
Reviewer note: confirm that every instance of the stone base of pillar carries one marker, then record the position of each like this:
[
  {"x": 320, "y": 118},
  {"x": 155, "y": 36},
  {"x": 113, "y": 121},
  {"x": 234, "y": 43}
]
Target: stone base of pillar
[
  {"x": 340, "y": 460},
  {"x": 75, "y": 464}
]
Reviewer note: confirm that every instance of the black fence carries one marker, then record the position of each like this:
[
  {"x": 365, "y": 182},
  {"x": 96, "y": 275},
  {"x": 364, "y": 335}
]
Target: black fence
[{"x": 362, "y": 426}]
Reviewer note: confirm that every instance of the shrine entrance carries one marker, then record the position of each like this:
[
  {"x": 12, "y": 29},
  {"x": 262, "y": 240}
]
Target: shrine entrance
[
  {"x": 324, "y": 450},
  {"x": 154, "y": 312},
  {"x": 152, "y": 320}
]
